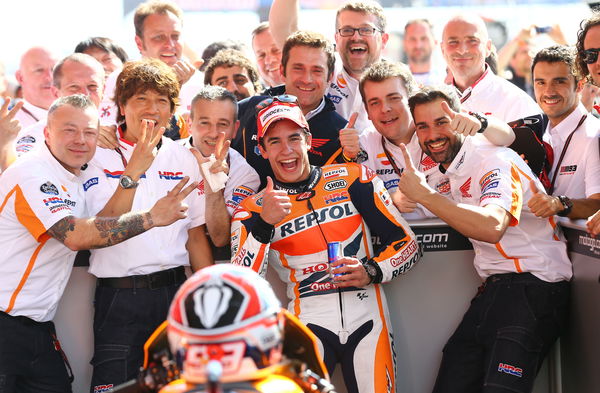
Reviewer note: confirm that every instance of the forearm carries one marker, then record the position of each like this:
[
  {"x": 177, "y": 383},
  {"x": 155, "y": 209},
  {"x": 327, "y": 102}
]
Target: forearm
[
  {"x": 217, "y": 218},
  {"x": 283, "y": 19},
  {"x": 198, "y": 248},
  {"x": 121, "y": 200},
  {"x": 98, "y": 232},
  {"x": 583, "y": 208},
  {"x": 499, "y": 132},
  {"x": 475, "y": 222}
]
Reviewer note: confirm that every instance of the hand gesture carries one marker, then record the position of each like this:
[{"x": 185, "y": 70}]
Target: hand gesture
[
  {"x": 412, "y": 182},
  {"x": 107, "y": 137},
  {"x": 9, "y": 126},
  {"x": 143, "y": 154},
  {"x": 349, "y": 272},
  {"x": 276, "y": 204},
  {"x": 171, "y": 208},
  {"x": 349, "y": 138},
  {"x": 184, "y": 71},
  {"x": 461, "y": 122},
  {"x": 593, "y": 224},
  {"x": 541, "y": 204},
  {"x": 403, "y": 203}
]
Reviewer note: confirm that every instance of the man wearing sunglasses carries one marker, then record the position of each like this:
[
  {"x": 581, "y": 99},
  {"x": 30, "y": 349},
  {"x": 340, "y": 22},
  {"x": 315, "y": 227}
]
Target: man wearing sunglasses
[
  {"x": 359, "y": 39},
  {"x": 291, "y": 223},
  {"x": 573, "y": 134},
  {"x": 307, "y": 67}
]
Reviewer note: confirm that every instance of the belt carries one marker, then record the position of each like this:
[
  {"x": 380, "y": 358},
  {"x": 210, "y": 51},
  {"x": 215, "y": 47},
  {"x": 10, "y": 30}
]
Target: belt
[
  {"x": 23, "y": 320},
  {"x": 155, "y": 280}
]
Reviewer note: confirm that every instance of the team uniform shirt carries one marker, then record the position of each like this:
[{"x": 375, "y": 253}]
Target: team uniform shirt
[
  {"x": 372, "y": 142},
  {"x": 346, "y": 203},
  {"x": 324, "y": 122},
  {"x": 30, "y": 114},
  {"x": 242, "y": 181},
  {"x": 37, "y": 192},
  {"x": 161, "y": 248},
  {"x": 483, "y": 174},
  {"x": 31, "y": 137},
  {"x": 493, "y": 95},
  {"x": 579, "y": 173},
  {"x": 344, "y": 93}
]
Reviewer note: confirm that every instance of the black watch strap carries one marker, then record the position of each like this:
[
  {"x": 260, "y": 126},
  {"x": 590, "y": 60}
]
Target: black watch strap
[
  {"x": 567, "y": 206},
  {"x": 482, "y": 119},
  {"x": 373, "y": 271}
]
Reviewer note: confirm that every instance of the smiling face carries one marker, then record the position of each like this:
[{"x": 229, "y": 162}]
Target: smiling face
[
  {"x": 306, "y": 76},
  {"x": 555, "y": 90},
  {"x": 268, "y": 58},
  {"x": 145, "y": 105},
  {"x": 80, "y": 78},
  {"x": 436, "y": 138},
  {"x": 359, "y": 52},
  {"x": 465, "y": 45},
  {"x": 235, "y": 79},
  {"x": 387, "y": 107},
  {"x": 208, "y": 120},
  {"x": 161, "y": 38},
  {"x": 71, "y": 135},
  {"x": 35, "y": 77},
  {"x": 286, "y": 147},
  {"x": 592, "y": 41}
]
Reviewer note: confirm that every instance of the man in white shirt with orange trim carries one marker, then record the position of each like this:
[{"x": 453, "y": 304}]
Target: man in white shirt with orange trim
[
  {"x": 40, "y": 230},
  {"x": 573, "y": 134},
  {"x": 465, "y": 45},
  {"x": 521, "y": 308}
]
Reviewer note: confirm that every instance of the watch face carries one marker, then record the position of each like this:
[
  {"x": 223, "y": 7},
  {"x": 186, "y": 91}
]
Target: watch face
[
  {"x": 126, "y": 182},
  {"x": 371, "y": 270}
]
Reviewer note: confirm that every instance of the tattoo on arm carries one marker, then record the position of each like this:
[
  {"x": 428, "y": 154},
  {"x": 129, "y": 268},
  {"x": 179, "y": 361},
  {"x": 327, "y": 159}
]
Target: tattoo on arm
[
  {"x": 116, "y": 230},
  {"x": 61, "y": 229}
]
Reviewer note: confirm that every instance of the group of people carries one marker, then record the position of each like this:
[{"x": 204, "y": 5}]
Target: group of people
[{"x": 149, "y": 164}]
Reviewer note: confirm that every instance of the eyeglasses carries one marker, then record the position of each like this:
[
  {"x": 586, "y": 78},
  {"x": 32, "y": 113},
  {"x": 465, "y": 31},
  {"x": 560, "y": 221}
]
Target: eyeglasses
[
  {"x": 287, "y": 98},
  {"x": 590, "y": 56},
  {"x": 362, "y": 31}
]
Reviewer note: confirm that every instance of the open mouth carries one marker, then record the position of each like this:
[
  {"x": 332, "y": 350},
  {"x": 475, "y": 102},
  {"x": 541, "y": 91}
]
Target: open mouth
[
  {"x": 289, "y": 165},
  {"x": 306, "y": 89},
  {"x": 551, "y": 100},
  {"x": 389, "y": 121},
  {"x": 437, "y": 146},
  {"x": 358, "y": 49}
]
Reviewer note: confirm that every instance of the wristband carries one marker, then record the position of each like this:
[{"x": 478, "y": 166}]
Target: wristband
[{"x": 482, "y": 119}]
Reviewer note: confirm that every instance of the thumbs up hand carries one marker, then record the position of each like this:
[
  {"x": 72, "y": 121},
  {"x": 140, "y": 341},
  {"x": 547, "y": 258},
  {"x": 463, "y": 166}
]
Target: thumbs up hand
[
  {"x": 276, "y": 204},
  {"x": 412, "y": 185},
  {"x": 461, "y": 122},
  {"x": 349, "y": 138},
  {"x": 541, "y": 204}
]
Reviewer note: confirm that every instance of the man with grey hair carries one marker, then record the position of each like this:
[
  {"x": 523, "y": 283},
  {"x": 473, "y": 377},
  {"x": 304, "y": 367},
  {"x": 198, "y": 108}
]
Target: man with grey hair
[
  {"x": 465, "y": 46},
  {"x": 41, "y": 228}
]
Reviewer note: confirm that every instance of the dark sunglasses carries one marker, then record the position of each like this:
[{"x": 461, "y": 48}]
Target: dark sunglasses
[
  {"x": 286, "y": 98},
  {"x": 590, "y": 56}
]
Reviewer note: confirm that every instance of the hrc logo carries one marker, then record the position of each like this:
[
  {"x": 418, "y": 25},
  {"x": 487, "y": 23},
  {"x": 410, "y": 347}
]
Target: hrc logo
[
  {"x": 170, "y": 175},
  {"x": 336, "y": 197},
  {"x": 508, "y": 369}
]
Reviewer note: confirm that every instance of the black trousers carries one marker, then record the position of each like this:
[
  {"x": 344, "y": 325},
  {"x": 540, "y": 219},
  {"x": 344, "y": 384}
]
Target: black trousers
[
  {"x": 29, "y": 357},
  {"x": 504, "y": 336}
]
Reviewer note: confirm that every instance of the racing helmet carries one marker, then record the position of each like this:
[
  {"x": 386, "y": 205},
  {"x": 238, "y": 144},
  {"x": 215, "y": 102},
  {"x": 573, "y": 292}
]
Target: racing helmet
[{"x": 229, "y": 314}]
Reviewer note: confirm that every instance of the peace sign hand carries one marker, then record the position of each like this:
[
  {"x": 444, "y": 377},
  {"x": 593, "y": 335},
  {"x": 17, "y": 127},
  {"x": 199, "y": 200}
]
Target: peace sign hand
[
  {"x": 9, "y": 126},
  {"x": 144, "y": 153},
  {"x": 171, "y": 208}
]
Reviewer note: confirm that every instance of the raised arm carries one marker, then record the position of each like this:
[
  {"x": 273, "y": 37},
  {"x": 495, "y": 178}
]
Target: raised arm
[
  {"x": 97, "y": 232},
  {"x": 283, "y": 19},
  {"x": 9, "y": 128}
]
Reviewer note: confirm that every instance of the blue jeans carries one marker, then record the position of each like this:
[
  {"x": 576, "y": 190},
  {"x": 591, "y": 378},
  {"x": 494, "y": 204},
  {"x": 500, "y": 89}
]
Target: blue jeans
[
  {"x": 123, "y": 320},
  {"x": 504, "y": 336}
]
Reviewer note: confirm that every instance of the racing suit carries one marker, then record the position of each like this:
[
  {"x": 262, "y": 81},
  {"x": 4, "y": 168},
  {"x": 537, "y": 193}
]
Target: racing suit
[{"x": 345, "y": 203}]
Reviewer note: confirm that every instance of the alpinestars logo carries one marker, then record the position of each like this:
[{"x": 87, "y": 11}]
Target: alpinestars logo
[{"x": 464, "y": 189}]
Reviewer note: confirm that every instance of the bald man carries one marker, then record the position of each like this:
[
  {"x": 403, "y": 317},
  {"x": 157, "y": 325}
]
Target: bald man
[
  {"x": 465, "y": 46},
  {"x": 35, "y": 77}
]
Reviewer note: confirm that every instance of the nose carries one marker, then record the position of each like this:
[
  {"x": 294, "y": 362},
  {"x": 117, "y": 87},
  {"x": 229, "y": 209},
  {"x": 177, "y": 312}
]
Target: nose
[{"x": 231, "y": 86}]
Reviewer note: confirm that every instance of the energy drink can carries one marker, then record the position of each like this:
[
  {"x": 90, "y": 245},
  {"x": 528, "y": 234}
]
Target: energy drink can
[{"x": 334, "y": 252}]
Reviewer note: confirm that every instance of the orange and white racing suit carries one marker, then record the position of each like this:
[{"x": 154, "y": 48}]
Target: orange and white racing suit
[{"x": 346, "y": 203}]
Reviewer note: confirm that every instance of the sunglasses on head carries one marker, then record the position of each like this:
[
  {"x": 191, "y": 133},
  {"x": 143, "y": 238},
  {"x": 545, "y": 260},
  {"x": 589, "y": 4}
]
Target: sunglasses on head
[
  {"x": 590, "y": 56},
  {"x": 286, "y": 98}
]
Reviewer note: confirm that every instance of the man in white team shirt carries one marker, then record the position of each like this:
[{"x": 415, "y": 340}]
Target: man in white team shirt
[
  {"x": 573, "y": 134},
  {"x": 77, "y": 73},
  {"x": 360, "y": 37},
  {"x": 35, "y": 77},
  {"x": 385, "y": 88},
  {"x": 521, "y": 308},
  {"x": 214, "y": 121},
  {"x": 465, "y": 45},
  {"x": 138, "y": 279},
  {"x": 43, "y": 221}
]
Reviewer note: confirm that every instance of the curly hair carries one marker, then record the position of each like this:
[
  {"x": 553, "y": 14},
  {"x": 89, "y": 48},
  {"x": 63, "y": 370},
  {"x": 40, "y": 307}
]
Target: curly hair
[
  {"x": 584, "y": 27},
  {"x": 143, "y": 75},
  {"x": 228, "y": 58}
]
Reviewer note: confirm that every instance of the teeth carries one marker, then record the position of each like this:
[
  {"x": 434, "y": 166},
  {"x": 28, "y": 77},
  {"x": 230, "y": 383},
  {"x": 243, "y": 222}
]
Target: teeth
[
  {"x": 549, "y": 101},
  {"x": 437, "y": 145},
  {"x": 389, "y": 121},
  {"x": 305, "y": 89},
  {"x": 290, "y": 161}
]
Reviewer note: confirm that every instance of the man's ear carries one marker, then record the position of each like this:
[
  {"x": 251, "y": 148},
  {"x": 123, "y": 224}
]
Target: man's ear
[
  {"x": 263, "y": 152},
  {"x": 139, "y": 43}
]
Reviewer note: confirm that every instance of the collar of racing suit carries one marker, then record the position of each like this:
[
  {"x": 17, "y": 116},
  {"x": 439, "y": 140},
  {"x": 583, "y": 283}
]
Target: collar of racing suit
[{"x": 302, "y": 186}]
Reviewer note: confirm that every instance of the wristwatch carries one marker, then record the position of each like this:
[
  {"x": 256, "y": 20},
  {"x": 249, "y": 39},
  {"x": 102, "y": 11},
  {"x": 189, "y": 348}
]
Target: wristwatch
[
  {"x": 371, "y": 271},
  {"x": 567, "y": 206},
  {"x": 127, "y": 182},
  {"x": 482, "y": 119}
]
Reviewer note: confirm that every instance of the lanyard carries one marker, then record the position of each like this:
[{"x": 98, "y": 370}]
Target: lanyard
[
  {"x": 23, "y": 109},
  {"x": 562, "y": 154},
  {"x": 390, "y": 158}
]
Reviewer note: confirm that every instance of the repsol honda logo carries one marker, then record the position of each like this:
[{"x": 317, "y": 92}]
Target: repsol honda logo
[
  {"x": 335, "y": 185},
  {"x": 324, "y": 215},
  {"x": 170, "y": 175}
]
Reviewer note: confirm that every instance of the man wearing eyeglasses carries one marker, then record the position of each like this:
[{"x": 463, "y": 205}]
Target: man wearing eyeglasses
[
  {"x": 290, "y": 225},
  {"x": 307, "y": 67},
  {"x": 360, "y": 37}
]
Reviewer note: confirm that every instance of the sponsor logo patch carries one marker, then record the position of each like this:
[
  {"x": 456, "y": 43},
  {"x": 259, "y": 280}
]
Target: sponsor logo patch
[
  {"x": 341, "y": 82},
  {"x": 334, "y": 99},
  {"x": 335, "y": 173},
  {"x": 408, "y": 250},
  {"x": 335, "y": 185},
  {"x": 443, "y": 186},
  {"x": 49, "y": 188},
  {"x": 103, "y": 388},
  {"x": 240, "y": 193},
  {"x": 391, "y": 184},
  {"x": 508, "y": 369},
  {"x": 170, "y": 175},
  {"x": 91, "y": 182},
  {"x": 427, "y": 163},
  {"x": 465, "y": 188},
  {"x": 26, "y": 139},
  {"x": 336, "y": 197},
  {"x": 567, "y": 169}
]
